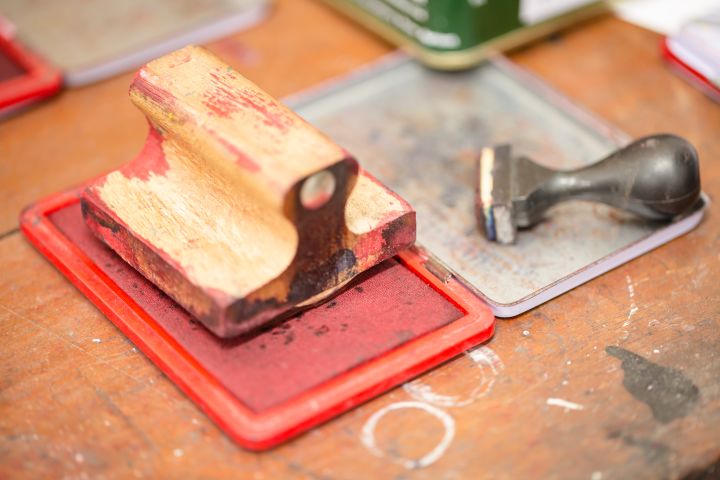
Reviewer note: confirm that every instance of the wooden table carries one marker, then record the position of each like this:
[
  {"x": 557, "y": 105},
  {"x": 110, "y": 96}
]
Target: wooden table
[{"x": 77, "y": 400}]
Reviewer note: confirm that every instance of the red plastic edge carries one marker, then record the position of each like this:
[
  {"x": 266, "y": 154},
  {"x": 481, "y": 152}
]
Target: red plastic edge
[
  {"x": 688, "y": 73},
  {"x": 40, "y": 79},
  {"x": 259, "y": 431}
]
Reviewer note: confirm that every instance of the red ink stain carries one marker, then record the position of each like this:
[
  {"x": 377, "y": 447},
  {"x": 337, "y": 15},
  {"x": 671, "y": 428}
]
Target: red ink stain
[
  {"x": 224, "y": 100},
  {"x": 241, "y": 158},
  {"x": 152, "y": 92},
  {"x": 181, "y": 59},
  {"x": 260, "y": 370},
  {"x": 395, "y": 229},
  {"x": 369, "y": 245},
  {"x": 150, "y": 160}
]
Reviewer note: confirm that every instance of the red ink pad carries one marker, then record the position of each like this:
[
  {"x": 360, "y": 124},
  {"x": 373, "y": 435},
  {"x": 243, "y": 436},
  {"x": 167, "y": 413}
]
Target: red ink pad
[
  {"x": 24, "y": 76},
  {"x": 9, "y": 68},
  {"x": 392, "y": 323}
]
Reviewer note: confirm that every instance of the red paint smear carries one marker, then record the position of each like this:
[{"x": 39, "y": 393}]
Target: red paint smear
[
  {"x": 381, "y": 310},
  {"x": 150, "y": 160},
  {"x": 240, "y": 158},
  {"x": 185, "y": 58},
  {"x": 370, "y": 244},
  {"x": 375, "y": 242},
  {"x": 224, "y": 100},
  {"x": 152, "y": 92}
]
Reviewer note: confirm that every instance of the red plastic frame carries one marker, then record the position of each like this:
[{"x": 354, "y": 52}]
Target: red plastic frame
[
  {"x": 263, "y": 430},
  {"x": 689, "y": 73},
  {"x": 39, "y": 80}
]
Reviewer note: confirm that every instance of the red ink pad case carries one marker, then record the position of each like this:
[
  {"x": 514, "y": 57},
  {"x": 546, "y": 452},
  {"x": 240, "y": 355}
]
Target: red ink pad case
[
  {"x": 392, "y": 323},
  {"x": 677, "y": 57},
  {"x": 24, "y": 76}
]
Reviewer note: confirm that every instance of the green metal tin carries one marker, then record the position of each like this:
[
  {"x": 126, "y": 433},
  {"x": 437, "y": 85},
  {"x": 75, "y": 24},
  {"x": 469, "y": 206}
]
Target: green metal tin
[{"x": 456, "y": 34}]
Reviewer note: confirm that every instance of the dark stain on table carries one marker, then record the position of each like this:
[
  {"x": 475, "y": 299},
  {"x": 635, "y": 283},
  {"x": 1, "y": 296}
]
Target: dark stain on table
[
  {"x": 655, "y": 453},
  {"x": 668, "y": 392}
]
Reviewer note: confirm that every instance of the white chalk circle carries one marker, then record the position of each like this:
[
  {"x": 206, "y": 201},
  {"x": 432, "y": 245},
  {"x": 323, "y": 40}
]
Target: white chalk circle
[
  {"x": 483, "y": 378},
  {"x": 368, "y": 434}
]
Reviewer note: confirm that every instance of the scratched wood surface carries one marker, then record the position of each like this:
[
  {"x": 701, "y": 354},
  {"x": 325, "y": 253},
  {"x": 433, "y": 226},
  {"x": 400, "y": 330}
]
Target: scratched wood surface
[{"x": 616, "y": 379}]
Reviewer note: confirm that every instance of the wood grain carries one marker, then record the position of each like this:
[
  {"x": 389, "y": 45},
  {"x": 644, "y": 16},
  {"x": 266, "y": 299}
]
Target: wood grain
[{"x": 70, "y": 406}]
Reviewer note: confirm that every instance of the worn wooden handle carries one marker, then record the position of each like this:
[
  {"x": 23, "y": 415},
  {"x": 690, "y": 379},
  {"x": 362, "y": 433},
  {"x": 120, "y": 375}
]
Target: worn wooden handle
[{"x": 236, "y": 207}]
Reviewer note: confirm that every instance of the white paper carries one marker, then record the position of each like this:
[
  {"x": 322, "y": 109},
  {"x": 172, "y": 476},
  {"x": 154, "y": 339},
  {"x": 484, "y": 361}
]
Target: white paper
[
  {"x": 663, "y": 16},
  {"x": 536, "y": 11}
]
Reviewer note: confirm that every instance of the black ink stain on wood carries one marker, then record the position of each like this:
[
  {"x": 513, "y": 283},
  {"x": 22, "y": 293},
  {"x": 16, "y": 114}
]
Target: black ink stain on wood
[
  {"x": 668, "y": 392},
  {"x": 655, "y": 453}
]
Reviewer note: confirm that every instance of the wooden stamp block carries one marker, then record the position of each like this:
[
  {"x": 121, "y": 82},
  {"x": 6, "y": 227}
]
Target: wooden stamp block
[{"x": 236, "y": 207}]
